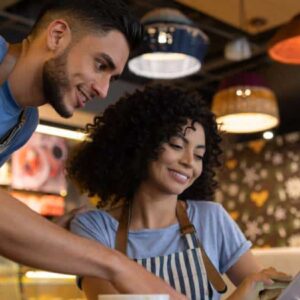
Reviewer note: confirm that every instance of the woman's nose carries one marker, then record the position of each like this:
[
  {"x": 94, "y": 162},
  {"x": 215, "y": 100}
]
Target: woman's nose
[{"x": 187, "y": 158}]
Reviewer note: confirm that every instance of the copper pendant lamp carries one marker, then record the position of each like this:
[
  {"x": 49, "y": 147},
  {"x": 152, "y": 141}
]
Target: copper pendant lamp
[{"x": 284, "y": 47}]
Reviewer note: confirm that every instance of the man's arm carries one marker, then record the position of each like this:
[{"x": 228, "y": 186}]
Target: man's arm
[{"x": 30, "y": 239}]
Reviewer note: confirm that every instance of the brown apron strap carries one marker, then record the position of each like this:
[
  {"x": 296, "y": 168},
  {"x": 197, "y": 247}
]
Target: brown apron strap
[
  {"x": 185, "y": 228},
  {"x": 122, "y": 232}
]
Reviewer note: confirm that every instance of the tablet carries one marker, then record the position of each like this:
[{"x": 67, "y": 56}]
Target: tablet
[{"x": 292, "y": 291}]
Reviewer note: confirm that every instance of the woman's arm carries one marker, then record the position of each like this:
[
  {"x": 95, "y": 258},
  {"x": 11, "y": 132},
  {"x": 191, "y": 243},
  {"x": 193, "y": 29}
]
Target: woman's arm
[
  {"x": 246, "y": 265},
  {"x": 251, "y": 286},
  {"x": 251, "y": 278}
]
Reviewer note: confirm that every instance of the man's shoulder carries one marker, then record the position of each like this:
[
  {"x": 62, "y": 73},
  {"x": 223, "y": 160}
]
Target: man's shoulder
[
  {"x": 31, "y": 118},
  {"x": 3, "y": 47}
]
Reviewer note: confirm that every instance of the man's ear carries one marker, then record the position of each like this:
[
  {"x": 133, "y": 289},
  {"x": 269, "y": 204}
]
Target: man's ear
[{"x": 58, "y": 35}]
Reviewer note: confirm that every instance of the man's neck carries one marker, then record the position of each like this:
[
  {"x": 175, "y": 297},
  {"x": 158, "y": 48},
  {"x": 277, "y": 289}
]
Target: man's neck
[
  {"x": 24, "y": 74},
  {"x": 9, "y": 61}
]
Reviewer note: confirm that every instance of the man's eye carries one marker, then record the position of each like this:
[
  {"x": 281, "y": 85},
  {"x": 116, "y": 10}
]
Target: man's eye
[
  {"x": 113, "y": 78},
  {"x": 100, "y": 66}
]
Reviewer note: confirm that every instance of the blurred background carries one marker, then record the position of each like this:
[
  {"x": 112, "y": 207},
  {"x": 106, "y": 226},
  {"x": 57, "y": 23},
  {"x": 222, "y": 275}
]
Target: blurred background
[{"x": 243, "y": 57}]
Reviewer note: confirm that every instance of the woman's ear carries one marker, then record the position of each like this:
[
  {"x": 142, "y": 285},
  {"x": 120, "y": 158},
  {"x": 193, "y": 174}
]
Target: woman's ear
[{"x": 58, "y": 35}]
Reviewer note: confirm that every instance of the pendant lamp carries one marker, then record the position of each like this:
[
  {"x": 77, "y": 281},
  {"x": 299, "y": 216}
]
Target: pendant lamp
[
  {"x": 173, "y": 47},
  {"x": 239, "y": 48},
  {"x": 245, "y": 104},
  {"x": 284, "y": 47}
]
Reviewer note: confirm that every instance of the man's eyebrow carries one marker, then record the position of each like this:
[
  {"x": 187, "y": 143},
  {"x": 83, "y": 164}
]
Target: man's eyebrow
[{"x": 108, "y": 60}]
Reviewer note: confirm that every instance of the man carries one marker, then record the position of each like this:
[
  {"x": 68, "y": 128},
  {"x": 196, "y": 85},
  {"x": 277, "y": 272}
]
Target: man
[{"x": 74, "y": 51}]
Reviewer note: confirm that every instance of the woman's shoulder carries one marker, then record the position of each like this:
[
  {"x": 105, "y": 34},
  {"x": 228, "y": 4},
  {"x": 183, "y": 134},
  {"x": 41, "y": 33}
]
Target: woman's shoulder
[
  {"x": 205, "y": 210},
  {"x": 204, "y": 205},
  {"x": 111, "y": 211},
  {"x": 96, "y": 217}
]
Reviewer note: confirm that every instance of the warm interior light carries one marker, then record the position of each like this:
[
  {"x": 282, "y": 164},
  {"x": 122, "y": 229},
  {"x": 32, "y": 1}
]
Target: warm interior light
[
  {"x": 61, "y": 132},
  {"x": 47, "y": 275},
  {"x": 246, "y": 122},
  {"x": 164, "y": 65},
  {"x": 268, "y": 135},
  {"x": 161, "y": 56},
  {"x": 287, "y": 51},
  {"x": 244, "y": 105},
  {"x": 284, "y": 47},
  {"x": 172, "y": 48}
]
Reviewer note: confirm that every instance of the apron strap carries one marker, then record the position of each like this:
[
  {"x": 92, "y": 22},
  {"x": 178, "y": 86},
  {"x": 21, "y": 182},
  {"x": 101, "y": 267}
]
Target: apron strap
[
  {"x": 186, "y": 227},
  {"x": 122, "y": 232}
]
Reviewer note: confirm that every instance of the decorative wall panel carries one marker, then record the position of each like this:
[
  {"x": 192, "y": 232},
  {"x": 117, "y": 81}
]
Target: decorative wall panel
[{"x": 259, "y": 186}]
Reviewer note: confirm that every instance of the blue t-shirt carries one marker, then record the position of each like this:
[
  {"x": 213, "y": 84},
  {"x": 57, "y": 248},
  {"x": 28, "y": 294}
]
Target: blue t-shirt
[
  {"x": 12, "y": 137},
  {"x": 220, "y": 236}
]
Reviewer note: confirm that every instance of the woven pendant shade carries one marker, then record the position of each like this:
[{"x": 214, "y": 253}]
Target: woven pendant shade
[
  {"x": 284, "y": 47},
  {"x": 243, "y": 107}
]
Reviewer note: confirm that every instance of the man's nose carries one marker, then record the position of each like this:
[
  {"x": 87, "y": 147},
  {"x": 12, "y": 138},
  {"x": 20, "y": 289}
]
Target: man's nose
[{"x": 101, "y": 86}]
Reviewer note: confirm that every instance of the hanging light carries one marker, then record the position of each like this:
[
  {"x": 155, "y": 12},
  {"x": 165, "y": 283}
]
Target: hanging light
[
  {"x": 244, "y": 104},
  {"x": 284, "y": 47},
  {"x": 239, "y": 48},
  {"x": 173, "y": 47}
]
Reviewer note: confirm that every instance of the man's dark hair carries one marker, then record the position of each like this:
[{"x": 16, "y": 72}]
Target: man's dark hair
[
  {"x": 92, "y": 16},
  {"x": 130, "y": 134}
]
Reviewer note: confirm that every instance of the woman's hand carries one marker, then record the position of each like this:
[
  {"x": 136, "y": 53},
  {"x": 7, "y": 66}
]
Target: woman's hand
[{"x": 253, "y": 284}]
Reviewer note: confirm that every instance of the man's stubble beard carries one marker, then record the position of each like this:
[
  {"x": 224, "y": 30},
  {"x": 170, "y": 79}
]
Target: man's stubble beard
[{"x": 56, "y": 83}]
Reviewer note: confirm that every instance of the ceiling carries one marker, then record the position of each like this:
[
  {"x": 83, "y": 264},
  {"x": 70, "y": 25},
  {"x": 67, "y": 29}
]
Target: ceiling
[{"x": 222, "y": 22}]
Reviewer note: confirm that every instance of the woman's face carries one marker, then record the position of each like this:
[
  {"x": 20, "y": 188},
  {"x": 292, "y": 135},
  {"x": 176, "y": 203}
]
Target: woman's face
[{"x": 179, "y": 163}]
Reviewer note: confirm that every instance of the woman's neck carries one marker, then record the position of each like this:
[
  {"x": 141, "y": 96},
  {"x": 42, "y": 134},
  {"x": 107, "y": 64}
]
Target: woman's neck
[{"x": 152, "y": 210}]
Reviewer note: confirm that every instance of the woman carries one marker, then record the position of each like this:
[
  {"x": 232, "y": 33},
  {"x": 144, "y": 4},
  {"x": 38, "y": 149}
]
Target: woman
[{"x": 152, "y": 159}]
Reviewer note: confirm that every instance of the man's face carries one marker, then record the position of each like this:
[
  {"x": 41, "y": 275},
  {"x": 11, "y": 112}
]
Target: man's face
[{"x": 84, "y": 71}]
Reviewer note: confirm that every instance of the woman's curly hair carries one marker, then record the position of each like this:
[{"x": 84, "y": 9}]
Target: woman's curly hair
[{"x": 129, "y": 135}]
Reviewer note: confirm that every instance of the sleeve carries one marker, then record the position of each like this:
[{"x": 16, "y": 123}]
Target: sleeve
[
  {"x": 233, "y": 242},
  {"x": 20, "y": 139},
  {"x": 91, "y": 225},
  {"x": 4, "y": 158}
]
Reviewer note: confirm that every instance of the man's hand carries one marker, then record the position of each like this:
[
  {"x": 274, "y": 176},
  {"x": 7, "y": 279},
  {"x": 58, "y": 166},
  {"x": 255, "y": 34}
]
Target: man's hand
[{"x": 132, "y": 277}]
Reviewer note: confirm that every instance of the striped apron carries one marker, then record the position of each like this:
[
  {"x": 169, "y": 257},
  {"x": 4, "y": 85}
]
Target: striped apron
[{"x": 185, "y": 271}]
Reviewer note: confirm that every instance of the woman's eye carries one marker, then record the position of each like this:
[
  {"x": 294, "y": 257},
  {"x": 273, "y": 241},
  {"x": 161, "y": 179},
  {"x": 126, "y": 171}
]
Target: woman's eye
[
  {"x": 175, "y": 146},
  {"x": 199, "y": 157}
]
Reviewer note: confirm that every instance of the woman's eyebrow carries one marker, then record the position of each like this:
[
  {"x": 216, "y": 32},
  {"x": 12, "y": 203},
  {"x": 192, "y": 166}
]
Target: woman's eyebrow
[{"x": 186, "y": 141}]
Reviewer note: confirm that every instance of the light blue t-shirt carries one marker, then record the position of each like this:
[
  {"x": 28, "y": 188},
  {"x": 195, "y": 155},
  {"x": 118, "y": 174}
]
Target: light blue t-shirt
[
  {"x": 12, "y": 138},
  {"x": 220, "y": 236}
]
